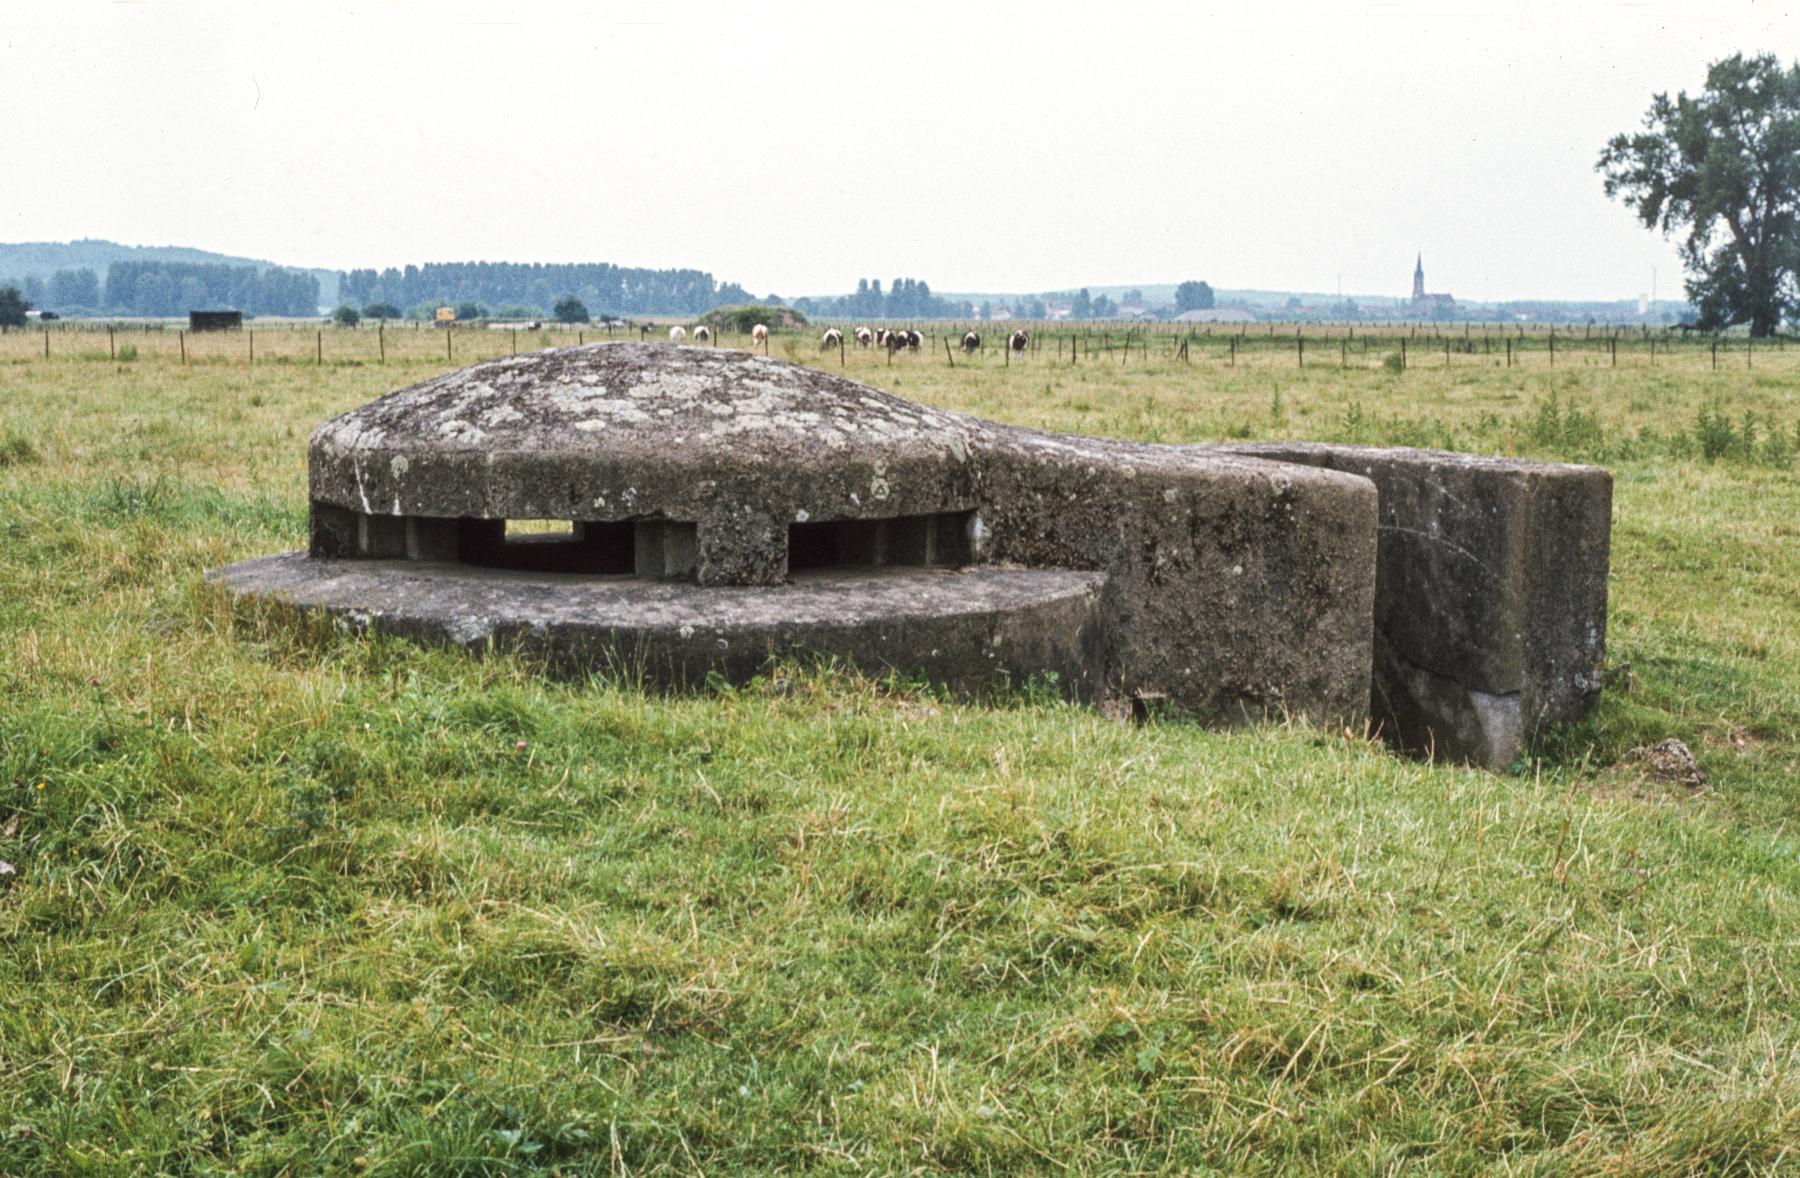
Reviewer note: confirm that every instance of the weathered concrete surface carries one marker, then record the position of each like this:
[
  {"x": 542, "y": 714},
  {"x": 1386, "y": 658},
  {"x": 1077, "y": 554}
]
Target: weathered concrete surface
[
  {"x": 1490, "y": 593},
  {"x": 1239, "y": 589},
  {"x": 974, "y": 630},
  {"x": 1236, "y": 588},
  {"x": 1461, "y": 601},
  {"x": 738, "y": 444}
]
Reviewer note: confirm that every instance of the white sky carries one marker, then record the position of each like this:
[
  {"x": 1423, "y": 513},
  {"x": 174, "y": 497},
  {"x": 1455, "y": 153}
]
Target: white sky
[{"x": 794, "y": 147}]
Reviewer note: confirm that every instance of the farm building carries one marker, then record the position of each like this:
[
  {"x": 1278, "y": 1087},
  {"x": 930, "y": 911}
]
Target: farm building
[{"x": 215, "y": 320}]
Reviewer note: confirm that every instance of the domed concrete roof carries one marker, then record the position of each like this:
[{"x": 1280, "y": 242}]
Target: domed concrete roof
[{"x": 629, "y": 431}]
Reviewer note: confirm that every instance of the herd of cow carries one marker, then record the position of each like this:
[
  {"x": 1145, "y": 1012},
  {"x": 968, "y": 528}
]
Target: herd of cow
[
  {"x": 893, "y": 339},
  {"x": 897, "y": 338}
]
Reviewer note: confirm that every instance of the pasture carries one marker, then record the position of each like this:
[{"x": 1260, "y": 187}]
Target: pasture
[{"x": 282, "y": 900}]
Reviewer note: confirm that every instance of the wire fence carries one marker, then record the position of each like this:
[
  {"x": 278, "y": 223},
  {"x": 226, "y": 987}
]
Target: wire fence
[{"x": 1395, "y": 347}]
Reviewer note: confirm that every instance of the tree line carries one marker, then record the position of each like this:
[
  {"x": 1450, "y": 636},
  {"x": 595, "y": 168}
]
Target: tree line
[
  {"x": 535, "y": 286},
  {"x": 173, "y": 288},
  {"x": 907, "y": 298}
]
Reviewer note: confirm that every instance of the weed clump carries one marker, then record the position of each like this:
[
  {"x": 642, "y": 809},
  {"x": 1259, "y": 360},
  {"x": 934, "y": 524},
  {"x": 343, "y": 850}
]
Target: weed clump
[
  {"x": 17, "y": 450},
  {"x": 1747, "y": 439}
]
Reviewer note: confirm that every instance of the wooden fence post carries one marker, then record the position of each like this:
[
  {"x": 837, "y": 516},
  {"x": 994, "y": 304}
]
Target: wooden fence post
[{"x": 181, "y": 338}]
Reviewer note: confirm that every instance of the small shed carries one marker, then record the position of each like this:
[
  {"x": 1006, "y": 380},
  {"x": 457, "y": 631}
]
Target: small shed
[{"x": 215, "y": 320}]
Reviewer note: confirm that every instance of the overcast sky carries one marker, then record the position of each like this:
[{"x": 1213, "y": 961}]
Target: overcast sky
[{"x": 794, "y": 147}]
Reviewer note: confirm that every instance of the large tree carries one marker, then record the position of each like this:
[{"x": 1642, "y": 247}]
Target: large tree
[
  {"x": 1193, "y": 296},
  {"x": 1723, "y": 166},
  {"x": 13, "y": 306}
]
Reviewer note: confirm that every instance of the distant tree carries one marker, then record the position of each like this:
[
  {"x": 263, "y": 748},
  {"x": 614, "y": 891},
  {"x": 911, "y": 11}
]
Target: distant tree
[
  {"x": 570, "y": 309},
  {"x": 470, "y": 311},
  {"x": 345, "y": 316},
  {"x": 1133, "y": 298},
  {"x": 1193, "y": 296},
  {"x": 70, "y": 289},
  {"x": 13, "y": 306},
  {"x": 1030, "y": 307},
  {"x": 1293, "y": 303},
  {"x": 33, "y": 290},
  {"x": 381, "y": 311},
  {"x": 987, "y": 310},
  {"x": 1104, "y": 308},
  {"x": 1083, "y": 307},
  {"x": 1723, "y": 166}
]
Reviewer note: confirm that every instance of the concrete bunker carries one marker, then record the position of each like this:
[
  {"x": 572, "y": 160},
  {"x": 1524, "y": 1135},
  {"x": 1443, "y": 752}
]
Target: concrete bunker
[{"x": 697, "y": 510}]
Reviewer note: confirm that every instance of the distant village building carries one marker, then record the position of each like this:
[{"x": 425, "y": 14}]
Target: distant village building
[
  {"x": 1216, "y": 315},
  {"x": 1429, "y": 306}
]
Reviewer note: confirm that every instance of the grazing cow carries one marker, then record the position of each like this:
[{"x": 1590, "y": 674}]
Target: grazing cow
[
  {"x": 759, "y": 334},
  {"x": 881, "y": 337},
  {"x": 677, "y": 334},
  {"x": 971, "y": 341},
  {"x": 864, "y": 337},
  {"x": 913, "y": 339},
  {"x": 833, "y": 338},
  {"x": 702, "y": 333},
  {"x": 1019, "y": 340}
]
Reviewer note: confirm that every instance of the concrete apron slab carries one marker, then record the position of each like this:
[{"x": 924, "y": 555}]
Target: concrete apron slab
[{"x": 975, "y": 630}]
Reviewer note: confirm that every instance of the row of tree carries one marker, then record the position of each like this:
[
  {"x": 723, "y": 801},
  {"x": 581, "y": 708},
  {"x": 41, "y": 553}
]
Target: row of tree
[
  {"x": 619, "y": 289},
  {"x": 907, "y": 298},
  {"x": 173, "y": 288}
]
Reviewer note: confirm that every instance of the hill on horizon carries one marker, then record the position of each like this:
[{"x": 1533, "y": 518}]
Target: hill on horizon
[{"x": 41, "y": 259}]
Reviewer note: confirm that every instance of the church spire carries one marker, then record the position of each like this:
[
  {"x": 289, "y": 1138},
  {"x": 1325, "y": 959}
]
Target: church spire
[{"x": 1419, "y": 276}]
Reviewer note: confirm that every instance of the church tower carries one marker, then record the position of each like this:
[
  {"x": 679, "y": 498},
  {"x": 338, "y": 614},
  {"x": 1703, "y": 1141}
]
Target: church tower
[{"x": 1419, "y": 278}]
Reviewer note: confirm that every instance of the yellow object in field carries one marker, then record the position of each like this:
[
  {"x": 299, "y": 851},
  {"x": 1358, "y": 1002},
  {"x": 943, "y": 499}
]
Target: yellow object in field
[{"x": 446, "y": 314}]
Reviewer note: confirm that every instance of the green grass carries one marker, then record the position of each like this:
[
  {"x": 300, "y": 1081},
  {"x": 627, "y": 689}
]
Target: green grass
[{"x": 289, "y": 902}]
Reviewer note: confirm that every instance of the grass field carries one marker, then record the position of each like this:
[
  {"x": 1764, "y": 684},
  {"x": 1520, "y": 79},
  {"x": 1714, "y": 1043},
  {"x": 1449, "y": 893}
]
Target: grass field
[{"x": 291, "y": 902}]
